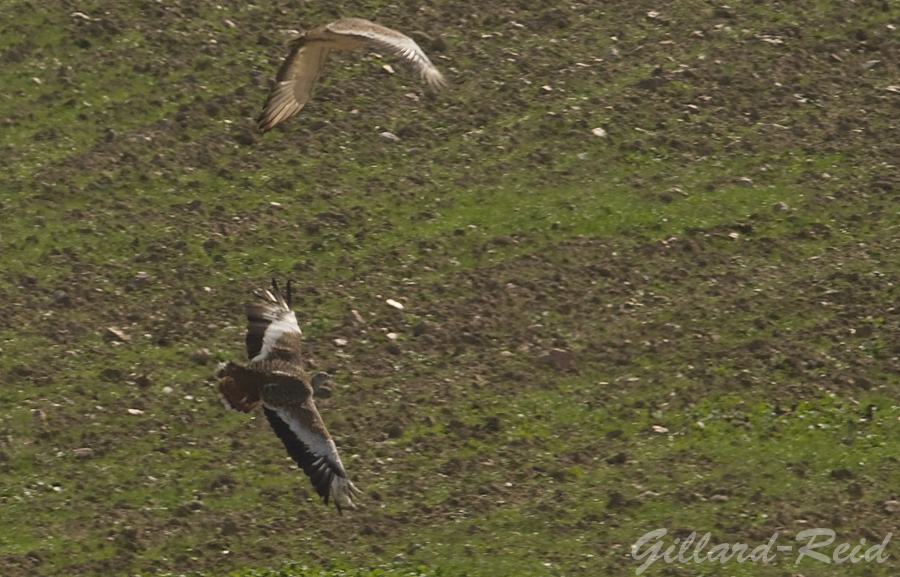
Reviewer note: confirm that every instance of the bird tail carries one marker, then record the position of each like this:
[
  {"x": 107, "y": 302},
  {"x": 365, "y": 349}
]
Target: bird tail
[{"x": 235, "y": 393}]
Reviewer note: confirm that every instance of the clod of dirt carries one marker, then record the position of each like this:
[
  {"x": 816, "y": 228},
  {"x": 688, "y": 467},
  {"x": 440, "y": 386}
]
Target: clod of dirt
[
  {"x": 855, "y": 491},
  {"x": 618, "y": 459},
  {"x": 189, "y": 507},
  {"x": 492, "y": 423},
  {"x": 228, "y": 527},
  {"x": 841, "y": 474},
  {"x": 243, "y": 136},
  {"x": 143, "y": 381},
  {"x": 559, "y": 359},
  {"x": 111, "y": 374},
  {"x": 617, "y": 500}
]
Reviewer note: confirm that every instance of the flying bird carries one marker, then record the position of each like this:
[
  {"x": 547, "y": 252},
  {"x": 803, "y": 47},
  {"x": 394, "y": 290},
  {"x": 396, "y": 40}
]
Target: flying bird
[
  {"x": 275, "y": 378},
  {"x": 308, "y": 52}
]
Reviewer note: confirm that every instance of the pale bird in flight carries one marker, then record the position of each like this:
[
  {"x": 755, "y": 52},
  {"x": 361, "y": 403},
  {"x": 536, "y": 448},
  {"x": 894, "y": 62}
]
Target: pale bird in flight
[
  {"x": 275, "y": 378},
  {"x": 306, "y": 59}
]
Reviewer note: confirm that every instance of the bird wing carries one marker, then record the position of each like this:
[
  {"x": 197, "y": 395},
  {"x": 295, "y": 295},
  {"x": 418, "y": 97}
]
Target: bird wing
[
  {"x": 289, "y": 406},
  {"x": 239, "y": 387},
  {"x": 392, "y": 41},
  {"x": 294, "y": 82},
  {"x": 272, "y": 330}
]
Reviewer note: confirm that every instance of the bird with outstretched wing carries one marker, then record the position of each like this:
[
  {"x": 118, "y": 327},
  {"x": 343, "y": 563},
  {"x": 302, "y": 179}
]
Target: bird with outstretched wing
[
  {"x": 308, "y": 52},
  {"x": 275, "y": 378}
]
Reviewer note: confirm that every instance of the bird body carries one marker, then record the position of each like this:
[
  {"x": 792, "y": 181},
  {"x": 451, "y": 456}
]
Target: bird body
[
  {"x": 275, "y": 378},
  {"x": 308, "y": 52}
]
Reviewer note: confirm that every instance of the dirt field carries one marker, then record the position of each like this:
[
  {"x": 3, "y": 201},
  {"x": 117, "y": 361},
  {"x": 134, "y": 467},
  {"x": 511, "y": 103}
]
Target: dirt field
[{"x": 646, "y": 253}]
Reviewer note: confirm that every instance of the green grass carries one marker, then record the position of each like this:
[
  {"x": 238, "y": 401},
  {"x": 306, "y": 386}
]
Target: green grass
[{"x": 758, "y": 338}]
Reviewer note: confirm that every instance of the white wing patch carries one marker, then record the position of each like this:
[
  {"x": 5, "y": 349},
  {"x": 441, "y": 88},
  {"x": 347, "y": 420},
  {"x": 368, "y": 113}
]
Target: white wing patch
[
  {"x": 281, "y": 322},
  {"x": 398, "y": 43}
]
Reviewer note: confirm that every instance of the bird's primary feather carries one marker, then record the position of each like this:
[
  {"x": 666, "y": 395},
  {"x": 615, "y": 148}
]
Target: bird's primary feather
[{"x": 298, "y": 73}]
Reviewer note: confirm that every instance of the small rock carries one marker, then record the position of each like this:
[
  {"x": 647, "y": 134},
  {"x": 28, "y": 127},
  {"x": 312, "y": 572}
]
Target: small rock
[
  {"x": 354, "y": 319},
  {"x": 61, "y": 298},
  {"x": 745, "y": 181},
  {"x": 394, "y": 304},
  {"x": 201, "y": 356},
  {"x": 135, "y": 412},
  {"x": 599, "y": 132},
  {"x": 388, "y": 68},
  {"x": 39, "y": 416},
  {"x": 388, "y": 137},
  {"x": 612, "y": 53},
  {"x": 398, "y": 558},
  {"x": 140, "y": 280},
  {"x": 891, "y": 507},
  {"x": 116, "y": 335},
  {"x": 719, "y": 499},
  {"x": 83, "y": 453},
  {"x": 659, "y": 429},
  {"x": 392, "y": 336},
  {"x": 339, "y": 342},
  {"x": 780, "y": 207}
]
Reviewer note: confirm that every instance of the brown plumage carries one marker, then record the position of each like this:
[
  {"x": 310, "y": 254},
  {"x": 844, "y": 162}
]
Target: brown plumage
[
  {"x": 275, "y": 378},
  {"x": 308, "y": 52}
]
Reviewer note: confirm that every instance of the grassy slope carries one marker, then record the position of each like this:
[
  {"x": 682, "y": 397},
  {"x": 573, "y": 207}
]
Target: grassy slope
[{"x": 756, "y": 338}]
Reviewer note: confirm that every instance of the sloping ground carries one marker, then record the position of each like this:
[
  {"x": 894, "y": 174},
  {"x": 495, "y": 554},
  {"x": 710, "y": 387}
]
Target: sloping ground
[{"x": 687, "y": 323}]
